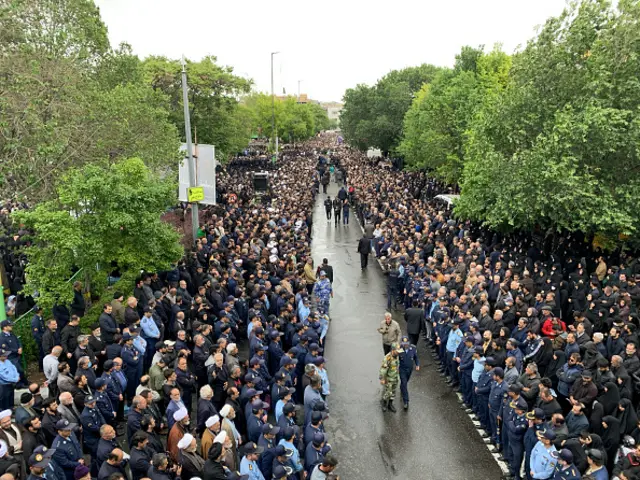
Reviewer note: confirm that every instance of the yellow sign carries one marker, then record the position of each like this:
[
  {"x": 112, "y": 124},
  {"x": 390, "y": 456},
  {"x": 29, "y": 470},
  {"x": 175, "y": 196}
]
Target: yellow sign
[{"x": 195, "y": 194}]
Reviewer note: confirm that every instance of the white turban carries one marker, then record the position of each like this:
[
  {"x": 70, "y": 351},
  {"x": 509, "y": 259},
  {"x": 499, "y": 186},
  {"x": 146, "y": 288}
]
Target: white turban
[
  {"x": 180, "y": 414},
  {"x": 224, "y": 411},
  {"x": 5, "y": 414},
  {"x": 185, "y": 441},
  {"x": 220, "y": 438},
  {"x": 211, "y": 421}
]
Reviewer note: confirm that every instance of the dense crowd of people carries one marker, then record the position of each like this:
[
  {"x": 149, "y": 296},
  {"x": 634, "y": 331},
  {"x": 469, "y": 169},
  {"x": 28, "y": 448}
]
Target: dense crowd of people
[
  {"x": 540, "y": 338},
  {"x": 212, "y": 370}
]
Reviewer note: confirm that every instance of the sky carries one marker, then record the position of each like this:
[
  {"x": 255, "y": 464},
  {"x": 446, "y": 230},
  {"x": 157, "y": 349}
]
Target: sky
[{"x": 328, "y": 46}]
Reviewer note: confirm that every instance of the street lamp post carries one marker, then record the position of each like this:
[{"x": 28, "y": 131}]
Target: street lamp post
[
  {"x": 192, "y": 165},
  {"x": 273, "y": 107}
]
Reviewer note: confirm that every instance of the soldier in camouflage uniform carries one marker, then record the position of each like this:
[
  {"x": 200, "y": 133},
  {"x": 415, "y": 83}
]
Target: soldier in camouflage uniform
[{"x": 390, "y": 377}]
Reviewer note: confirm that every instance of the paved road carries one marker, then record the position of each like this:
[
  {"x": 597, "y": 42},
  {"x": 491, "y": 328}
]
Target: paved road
[{"x": 434, "y": 439}]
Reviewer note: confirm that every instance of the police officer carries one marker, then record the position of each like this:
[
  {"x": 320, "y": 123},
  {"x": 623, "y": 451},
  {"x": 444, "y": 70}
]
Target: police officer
[
  {"x": 389, "y": 377},
  {"x": 482, "y": 391},
  {"x": 565, "y": 469},
  {"x": 92, "y": 420},
  {"x": 257, "y": 419},
  {"x": 38, "y": 463},
  {"x": 542, "y": 463},
  {"x": 506, "y": 412},
  {"x": 9, "y": 376},
  {"x": 104, "y": 404},
  {"x": 516, "y": 427},
  {"x": 10, "y": 343},
  {"x": 249, "y": 462},
  {"x": 68, "y": 452},
  {"x": 130, "y": 358},
  {"x": 337, "y": 208},
  {"x": 536, "y": 425},
  {"x": 496, "y": 396},
  {"x": 408, "y": 359}
]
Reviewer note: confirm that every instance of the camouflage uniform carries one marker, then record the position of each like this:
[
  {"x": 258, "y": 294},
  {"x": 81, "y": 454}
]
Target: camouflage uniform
[{"x": 390, "y": 373}]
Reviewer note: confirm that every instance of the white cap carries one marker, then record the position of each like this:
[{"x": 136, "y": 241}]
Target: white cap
[
  {"x": 180, "y": 414},
  {"x": 224, "y": 411},
  {"x": 220, "y": 438},
  {"x": 211, "y": 421},
  {"x": 5, "y": 414},
  {"x": 231, "y": 347},
  {"x": 3, "y": 448},
  {"x": 273, "y": 259},
  {"x": 185, "y": 441}
]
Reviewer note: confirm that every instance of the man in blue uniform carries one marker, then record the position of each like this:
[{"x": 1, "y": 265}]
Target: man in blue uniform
[
  {"x": 482, "y": 391},
  {"x": 9, "y": 376},
  {"x": 565, "y": 469},
  {"x": 536, "y": 425},
  {"x": 542, "y": 463},
  {"x": 10, "y": 343},
  {"x": 516, "y": 427},
  {"x": 92, "y": 420},
  {"x": 256, "y": 421},
  {"x": 249, "y": 462},
  {"x": 68, "y": 452},
  {"x": 130, "y": 358},
  {"x": 105, "y": 406},
  {"x": 496, "y": 396},
  {"x": 408, "y": 359}
]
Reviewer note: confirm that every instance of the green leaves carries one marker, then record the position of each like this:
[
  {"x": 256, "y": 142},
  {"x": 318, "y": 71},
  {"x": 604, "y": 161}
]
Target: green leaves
[
  {"x": 557, "y": 147},
  {"x": 372, "y": 116},
  {"x": 435, "y": 127},
  {"x": 102, "y": 216}
]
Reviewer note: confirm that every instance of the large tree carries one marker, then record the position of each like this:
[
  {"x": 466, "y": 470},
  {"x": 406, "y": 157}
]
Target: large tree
[
  {"x": 213, "y": 99},
  {"x": 435, "y": 126},
  {"x": 102, "y": 217},
  {"x": 372, "y": 116},
  {"x": 63, "y": 102},
  {"x": 559, "y": 148}
]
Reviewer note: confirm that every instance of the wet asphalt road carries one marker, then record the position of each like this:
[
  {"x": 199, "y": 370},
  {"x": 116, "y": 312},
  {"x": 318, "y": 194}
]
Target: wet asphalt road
[{"x": 434, "y": 438}]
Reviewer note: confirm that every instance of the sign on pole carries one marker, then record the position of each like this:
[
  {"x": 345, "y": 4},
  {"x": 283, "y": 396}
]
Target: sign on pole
[
  {"x": 195, "y": 194},
  {"x": 205, "y": 174}
]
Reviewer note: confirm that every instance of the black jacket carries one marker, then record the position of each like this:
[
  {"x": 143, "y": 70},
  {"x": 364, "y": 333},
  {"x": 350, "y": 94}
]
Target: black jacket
[
  {"x": 414, "y": 318},
  {"x": 364, "y": 246},
  {"x": 212, "y": 471},
  {"x": 140, "y": 462}
]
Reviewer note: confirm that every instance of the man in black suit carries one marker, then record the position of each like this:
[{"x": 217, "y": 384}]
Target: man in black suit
[
  {"x": 414, "y": 317},
  {"x": 364, "y": 247}
]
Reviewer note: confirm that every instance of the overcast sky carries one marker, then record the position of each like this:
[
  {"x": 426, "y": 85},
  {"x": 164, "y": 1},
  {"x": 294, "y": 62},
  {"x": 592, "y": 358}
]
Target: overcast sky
[{"x": 330, "y": 45}]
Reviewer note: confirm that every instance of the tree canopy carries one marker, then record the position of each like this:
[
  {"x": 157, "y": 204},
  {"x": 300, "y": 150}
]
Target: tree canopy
[
  {"x": 103, "y": 215},
  {"x": 294, "y": 121},
  {"x": 373, "y": 116},
  {"x": 435, "y": 126},
  {"x": 559, "y": 146}
]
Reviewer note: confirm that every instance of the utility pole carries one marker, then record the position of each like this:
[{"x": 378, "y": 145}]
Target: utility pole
[
  {"x": 192, "y": 166},
  {"x": 273, "y": 107}
]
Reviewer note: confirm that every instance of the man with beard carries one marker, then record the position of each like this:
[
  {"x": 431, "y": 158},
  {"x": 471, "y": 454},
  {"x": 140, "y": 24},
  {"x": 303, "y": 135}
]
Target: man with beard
[
  {"x": 140, "y": 455},
  {"x": 211, "y": 431},
  {"x": 50, "y": 418},
  {"x": 32, "y": 436},
  {"x": 98, "y": 346},
  {"x": 180, "y": 429}
]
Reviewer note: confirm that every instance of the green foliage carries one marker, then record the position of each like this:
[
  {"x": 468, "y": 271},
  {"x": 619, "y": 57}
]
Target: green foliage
[
  {"x": 559, "y": 146},
  {"x": 102, "y": 216},
  {"x": 216, "y": 116},
  {"x": 372, "y": 116},
  {"x": 294, "y": 121},
  {"x": 67, "y": 100},
  {"x": 435, "y": 126}
]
